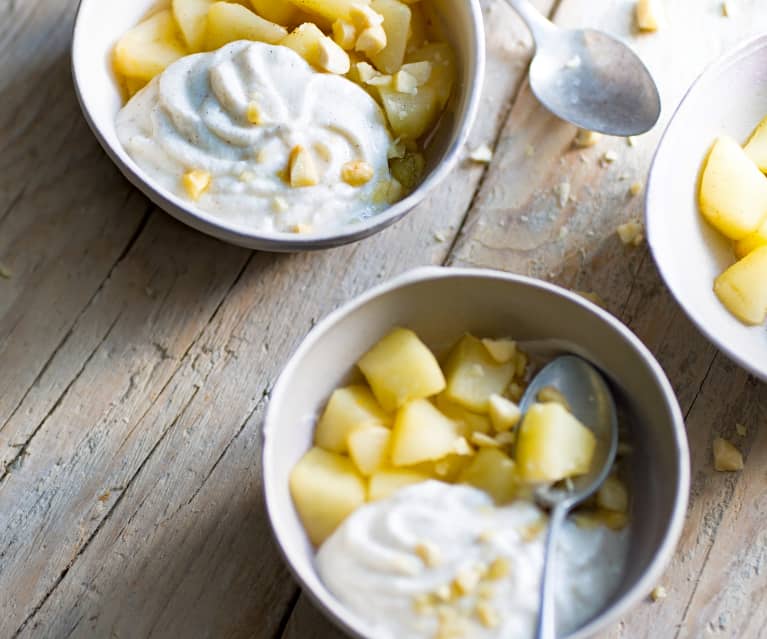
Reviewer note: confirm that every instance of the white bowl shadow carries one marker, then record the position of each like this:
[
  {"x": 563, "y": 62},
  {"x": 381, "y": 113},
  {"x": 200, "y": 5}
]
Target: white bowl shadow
[
  {"x": 730, "y": 97},
  {"x": 440, "y": 304},
  {"x": 100, "y": 23}
]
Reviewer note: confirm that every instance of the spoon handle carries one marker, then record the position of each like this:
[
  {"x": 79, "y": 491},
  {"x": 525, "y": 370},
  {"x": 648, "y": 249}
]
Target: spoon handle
[
  {"x": 547, "y": 620},
  {"x": 538, "y": 24}
]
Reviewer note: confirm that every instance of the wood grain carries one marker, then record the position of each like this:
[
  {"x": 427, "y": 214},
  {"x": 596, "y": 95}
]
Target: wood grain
[{"x": 136, "y": 356}]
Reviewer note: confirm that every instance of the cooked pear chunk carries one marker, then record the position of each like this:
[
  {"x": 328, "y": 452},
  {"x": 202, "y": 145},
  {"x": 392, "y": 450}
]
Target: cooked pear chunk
[
  {"x": 553, "y": 445},
  {"x": 347, "y": 409},
  {"x": 387, "y": 482},
  {"x": 494, "y": 472},
  {"x": 148, "y": 48},
  {"x": 369, "y": 448},
  {"x": 228, "y": 22},
  {"x": 742, "y": 288},
  {"x": 473, "y": 375},
  {"x": 325, "y": 488},
  {"x": 422, "y": 433},
  {"x": 400, "y": 368},
  {"x": 733, "y": 192}
]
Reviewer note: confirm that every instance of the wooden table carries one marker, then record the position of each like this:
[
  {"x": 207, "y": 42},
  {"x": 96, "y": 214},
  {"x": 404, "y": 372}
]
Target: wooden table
[{"x": 136, "y": 355}]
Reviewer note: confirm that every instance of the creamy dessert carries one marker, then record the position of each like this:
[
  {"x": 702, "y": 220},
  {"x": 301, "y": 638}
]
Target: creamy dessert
[
  {"x": 733, "y": 199},
  {"x": 199, "y": 116},
  {"x": 419, "y": 491},
  {"x": 291, "y": 115},
  {"x": 435, "y": 560}
]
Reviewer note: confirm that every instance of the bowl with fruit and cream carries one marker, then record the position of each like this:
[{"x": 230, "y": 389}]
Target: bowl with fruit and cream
[
  {"x": 281, "y": 125},
  {"x": 399, "y": 472}
]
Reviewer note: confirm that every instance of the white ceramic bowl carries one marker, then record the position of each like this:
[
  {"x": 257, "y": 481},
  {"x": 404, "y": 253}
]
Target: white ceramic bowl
[
  {"x": 730, "y": 97},
  {"x": 440, "y": 305},
  {"x": 100, "y": 23}
]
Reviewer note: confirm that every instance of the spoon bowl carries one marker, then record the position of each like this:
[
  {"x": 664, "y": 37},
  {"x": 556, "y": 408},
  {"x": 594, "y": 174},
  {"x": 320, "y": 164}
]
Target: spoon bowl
[{"x": 589, "y": 78}]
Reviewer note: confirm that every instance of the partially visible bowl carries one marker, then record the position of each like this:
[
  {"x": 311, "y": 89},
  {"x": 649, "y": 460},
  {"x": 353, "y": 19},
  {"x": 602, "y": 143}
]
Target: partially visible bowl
[
  {"x": 100, "y": 23},
  {"x": 729, "y": 98},
  {"x": 440, "y": 305}
]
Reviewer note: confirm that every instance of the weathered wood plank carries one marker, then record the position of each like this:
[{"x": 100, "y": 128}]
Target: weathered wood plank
[{"x": 66, "y": 215}]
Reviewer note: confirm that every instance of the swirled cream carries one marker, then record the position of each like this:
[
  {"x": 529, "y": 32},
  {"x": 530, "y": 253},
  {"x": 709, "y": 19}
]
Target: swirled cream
[
  {"x": 235, "y": 116},
  {"x": 438, "y": 560}
]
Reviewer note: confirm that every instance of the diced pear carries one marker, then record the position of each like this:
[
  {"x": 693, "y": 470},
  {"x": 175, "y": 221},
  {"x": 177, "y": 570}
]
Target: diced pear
[
  {"x": 317, "y": 49},
  {"x": 369, "y": 448},
  {"x": 228, "y": 22},
  {"x": 133, "y": 85},
  {"x": 396, "y": 24},
  {"x": 504, "y": 414},
  {"x": 553, "y": 445},
  {"x": 443, "y": 68},
  {"x": 422, "y": 433},
  {"x": 192, "y": 19},
  {"x": 733, "y": 192},
  {"x": 326, "y": 488},
  {"x": 348, "y": 409},
  {"x": 330, "y": 9},
  {"x": 594, "y": 518},
  {"x": 751, "y": 242},
  {"x": 552, "y": 394},
  {"x": 399, "y": 368},
  {"x": 613, "y": 495},
  {"x": 278, "y": 11},
  {"x": 467, "y": 421},
  {"x": 501, "y": 350},
  {"x": 473, "y": 375},
  {"x": 449, "y": 468},
  {"x": 410, "y": 115},
  {"x": 756, "y": 147},
  {"x": 387, "y": 482},
  {"x": 742, "y": 288},
  {"x": 148, "y": 48},
  {"x": 494, "y": 472}
]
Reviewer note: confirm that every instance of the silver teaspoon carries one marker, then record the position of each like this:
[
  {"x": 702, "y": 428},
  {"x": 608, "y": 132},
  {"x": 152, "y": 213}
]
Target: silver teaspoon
[
  {"x": 589, "y": 78},
  {"x": 592, "y": 403}
]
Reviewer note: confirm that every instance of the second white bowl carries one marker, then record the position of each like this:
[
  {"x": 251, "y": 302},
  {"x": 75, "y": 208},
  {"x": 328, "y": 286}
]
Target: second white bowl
[
  {"x": 729, "y": 98},
  {"x": 440, "y": 305}
]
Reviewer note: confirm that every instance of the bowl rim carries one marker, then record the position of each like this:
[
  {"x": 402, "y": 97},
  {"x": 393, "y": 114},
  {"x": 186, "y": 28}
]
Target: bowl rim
[
  {"x": 281, "y": 242},
  {"x": 651, "y": 201},
  {"x": 666, "y": 548}
]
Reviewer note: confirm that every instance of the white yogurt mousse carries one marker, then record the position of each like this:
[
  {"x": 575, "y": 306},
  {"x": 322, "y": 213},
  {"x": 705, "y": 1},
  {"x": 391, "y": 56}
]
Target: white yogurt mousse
[
  {"x": 198, "y": 115},
  {"x": 393, "y": 562}
]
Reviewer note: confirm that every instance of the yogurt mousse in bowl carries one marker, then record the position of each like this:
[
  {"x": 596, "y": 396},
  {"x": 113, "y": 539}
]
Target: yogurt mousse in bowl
[
  {"x": 285, "y": 125},
  {"x": 405, "y": 509}
]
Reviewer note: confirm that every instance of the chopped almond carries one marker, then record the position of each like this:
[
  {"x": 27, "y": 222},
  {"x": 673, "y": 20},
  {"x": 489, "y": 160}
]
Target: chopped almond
[{"x": 726, "y": 456}]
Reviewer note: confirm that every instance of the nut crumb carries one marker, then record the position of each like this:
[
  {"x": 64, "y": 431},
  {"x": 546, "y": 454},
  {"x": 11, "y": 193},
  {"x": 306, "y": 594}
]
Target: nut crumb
[
  {"x": 562, "y": 191},
  {"x": 650, "y": 15},
  {"x": 429, "y": 553},
  {"x": 301, "y": 228},
  {"x": 726, "y": 457},
  {"x": 741, "y": 429},
  {"x": 728, "y": 10},
  {"x": 440, "y": 236},
  {"x": 484, "y": 441},
  {"x": 487, "y": 615},
  {"x": 499, "y": 568},
  {"x": 658, "y": 593},
  {"x": 635, "y": 189},
  {"x": 357, "y": 173},
  {"x": 631, "y": 233},
  {"x": 483, "y": 154},
  {"x": 529, "y": 150},
  {"x": 585, "y": 138},
  {"x": 631, "y": 140},
  {"x": 5, "y": 272},
  {"x": 609, "y": 157}
]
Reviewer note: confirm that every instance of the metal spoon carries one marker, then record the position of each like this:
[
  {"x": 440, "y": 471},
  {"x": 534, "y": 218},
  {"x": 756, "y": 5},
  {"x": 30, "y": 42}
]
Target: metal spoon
[
  {"x": 592, "y": 403},
  {"x": 589, "y": 78}
]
